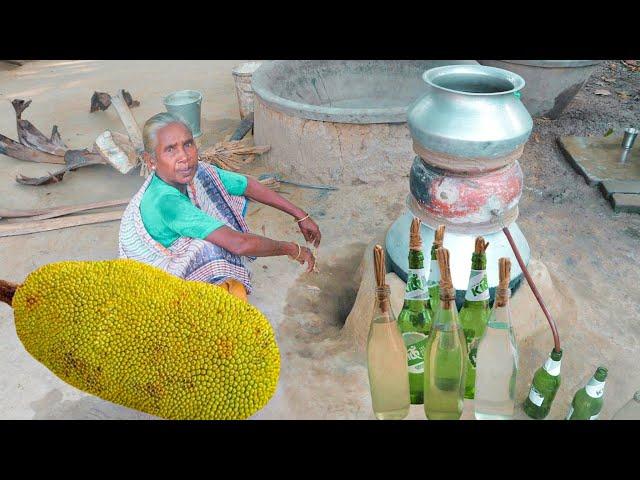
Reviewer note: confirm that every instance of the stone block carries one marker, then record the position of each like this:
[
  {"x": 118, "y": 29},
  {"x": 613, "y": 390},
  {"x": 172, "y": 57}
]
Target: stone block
[
  {"x": 625, "y": 202},
  {"x": 609, "y": 187},
  {"x": 599, "y": 159}
]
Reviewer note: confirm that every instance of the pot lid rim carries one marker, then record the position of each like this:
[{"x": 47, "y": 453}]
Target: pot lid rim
[{"x": 516, "y": 80}]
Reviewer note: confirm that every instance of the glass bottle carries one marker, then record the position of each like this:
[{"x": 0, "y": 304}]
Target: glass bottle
[
  {"x": 414, "y": 319},
  {"x": 445, "y": 354},
  {"x": 386, "y": 353},
  {"x": 587, "y": 402},
  {"x": 630, "y": 410},
  {"x": 433, "y": 283},
  {"x": 497, "y": 367},
  {"x": 544, "y": 387},
  {"x": 475, "y": 311}
]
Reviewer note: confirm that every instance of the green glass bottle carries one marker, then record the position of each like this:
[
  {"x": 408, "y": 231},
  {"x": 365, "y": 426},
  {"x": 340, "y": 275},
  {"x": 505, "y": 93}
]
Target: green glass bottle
[
  {"x": 544, "y": 387},
  {"x": 587, "y": 402},
  {"x": 433, "y": 283},
  {"x": 475, "y": 311},
  {"x": 414, "y": 320},
  {"x": 445, "y": 354}
]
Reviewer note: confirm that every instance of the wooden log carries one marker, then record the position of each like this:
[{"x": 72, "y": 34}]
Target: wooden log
[
  {"x": 44, "y": 213},
  {"x": 18, "y": 151},
  {"x": 133, "y": 130},
  {"x": 122, "y": 159},
  {"x": 24, "y": 228},
  {"x": 81, "y": 208},
  {"x": 245, "y": 125}
]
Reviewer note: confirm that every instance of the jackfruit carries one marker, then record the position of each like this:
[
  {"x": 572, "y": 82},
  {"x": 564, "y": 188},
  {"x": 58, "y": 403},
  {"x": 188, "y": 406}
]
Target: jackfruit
[{"x": 137, "y": 336}]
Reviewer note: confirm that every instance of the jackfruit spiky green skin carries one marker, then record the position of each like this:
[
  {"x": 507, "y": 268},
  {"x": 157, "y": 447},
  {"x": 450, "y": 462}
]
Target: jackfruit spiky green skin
[{"x": 139, "y": 337}]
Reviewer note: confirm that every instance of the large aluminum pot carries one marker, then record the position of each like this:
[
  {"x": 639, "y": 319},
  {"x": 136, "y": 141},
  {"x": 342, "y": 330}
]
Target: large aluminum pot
[
  {"x": 551, "y": 84},
  {"x": 471, "y": 115}
]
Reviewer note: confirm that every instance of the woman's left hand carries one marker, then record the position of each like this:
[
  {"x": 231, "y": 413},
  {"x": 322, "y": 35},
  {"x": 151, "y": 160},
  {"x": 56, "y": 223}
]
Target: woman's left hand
[{"x": 310, "y": 231}]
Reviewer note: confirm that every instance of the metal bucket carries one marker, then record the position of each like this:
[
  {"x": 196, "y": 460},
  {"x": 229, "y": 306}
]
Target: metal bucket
[
  {"x": 186, "y": 104},
  {"x": 551, "y": 84},
  {"x": 242, "y": 75}
]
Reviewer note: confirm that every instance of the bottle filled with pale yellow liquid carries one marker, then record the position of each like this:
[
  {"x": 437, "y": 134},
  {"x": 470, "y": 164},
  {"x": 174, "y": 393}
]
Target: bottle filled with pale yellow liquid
[
  {"x": 387, "y": 363},
  {"x": 445, "y": 354},
  {"x": 387, "y": 358}
]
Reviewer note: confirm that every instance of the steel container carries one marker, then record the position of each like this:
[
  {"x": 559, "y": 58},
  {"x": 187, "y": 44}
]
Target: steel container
[
  {"x": 471, "y": 112},
  {"x": 469, "y": 131},
  {"x": 551, "y": 84}
]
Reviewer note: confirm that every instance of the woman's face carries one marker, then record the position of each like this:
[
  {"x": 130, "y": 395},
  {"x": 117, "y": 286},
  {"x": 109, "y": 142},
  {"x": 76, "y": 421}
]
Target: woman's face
[{"x": 176, "y": 159}]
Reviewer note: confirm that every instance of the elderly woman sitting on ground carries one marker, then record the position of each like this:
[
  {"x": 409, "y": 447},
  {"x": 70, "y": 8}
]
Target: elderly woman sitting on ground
[{"x": 188, "y": 216}]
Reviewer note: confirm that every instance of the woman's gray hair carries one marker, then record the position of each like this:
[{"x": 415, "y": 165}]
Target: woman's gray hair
[{"x": 155, "y": 123}]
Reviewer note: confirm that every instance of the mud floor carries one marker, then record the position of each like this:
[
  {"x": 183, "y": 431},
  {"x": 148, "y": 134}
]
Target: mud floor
[{"x": 591, "y": 251}]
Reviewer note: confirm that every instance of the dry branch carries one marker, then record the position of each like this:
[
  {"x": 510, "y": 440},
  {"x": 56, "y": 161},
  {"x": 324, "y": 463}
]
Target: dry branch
[
  {"x": 30, "y": 136},
  {"x": 18, "y": 151}
]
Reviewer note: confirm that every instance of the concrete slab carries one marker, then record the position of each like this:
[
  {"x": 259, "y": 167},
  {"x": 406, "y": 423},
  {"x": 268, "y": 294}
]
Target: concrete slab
[
  {"x": 625, "y": 202},
  {"x": 601, "y": 158},
  {"x": 609, "y": 187}
]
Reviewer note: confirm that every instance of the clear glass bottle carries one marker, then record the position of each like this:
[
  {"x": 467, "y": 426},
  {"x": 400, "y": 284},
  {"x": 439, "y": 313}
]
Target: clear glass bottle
[
  {"x": 475, "y": 311},
  {"x": 497, "y": 360},
  {"x": 414, "y": 320},
  {"x": 545, "y": 385},
  {"x": 630, "y": 410},
  {"x": 587, "y": 402},
  {"x": 445, "y": 354},
  {"x": 387, "y": 362}
]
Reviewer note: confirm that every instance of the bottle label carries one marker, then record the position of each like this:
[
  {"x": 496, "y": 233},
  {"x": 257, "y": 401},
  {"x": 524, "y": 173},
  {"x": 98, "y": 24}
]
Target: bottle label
[
  {"x": 570, "y": 413},
  {"x": 595, "y": 388},
  {"x": 416, "y": 285},
  {"x": 535, "y": 396},
  {"x": 434, "y": 273},
  {"x": 552, "y": 367},
  {"x": 415, "y": 343},
  {"x": 472, "y": 345},
  {"x": 478, "y": 289},
  {"x": 473, "y": 353}
]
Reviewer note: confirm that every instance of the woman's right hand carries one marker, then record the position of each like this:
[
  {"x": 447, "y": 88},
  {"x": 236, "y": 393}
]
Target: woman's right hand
[{"x": 306, "y": 256}]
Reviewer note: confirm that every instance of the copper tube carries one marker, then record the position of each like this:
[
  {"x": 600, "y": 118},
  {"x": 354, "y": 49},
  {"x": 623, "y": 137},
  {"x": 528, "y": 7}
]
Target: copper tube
[{"x": 523, "y": 267}]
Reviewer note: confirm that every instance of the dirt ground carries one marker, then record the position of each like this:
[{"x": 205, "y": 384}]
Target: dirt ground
[{"x": 590, "y": 250}]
